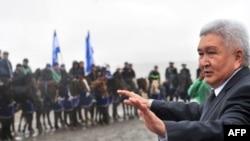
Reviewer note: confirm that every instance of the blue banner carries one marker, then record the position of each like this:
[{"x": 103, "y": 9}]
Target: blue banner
[
  {"x": 89, "y": 54},
  {"x": 55, "y": 50}
]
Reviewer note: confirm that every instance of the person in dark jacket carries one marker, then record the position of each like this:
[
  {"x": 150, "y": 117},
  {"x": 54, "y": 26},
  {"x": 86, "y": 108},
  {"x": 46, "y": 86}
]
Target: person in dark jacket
[
  {"x": 46, "y": 73},
  {"x": 82, "y": 69},
  {"x": 74, "y": 70},
  {"x": 6, "y": 71}
]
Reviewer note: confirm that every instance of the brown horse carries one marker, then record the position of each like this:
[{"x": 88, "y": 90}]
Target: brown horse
[
  {"x": 103, "y": 101},
  {"x": 128, "y": 110},
  {"x": 114, "y": 84},
  {"x": 49, "y": 94},
  {"x": 143, "y": 86},
  {"x": 24, "y": 92},
  {"x": 80, "y": 88}
]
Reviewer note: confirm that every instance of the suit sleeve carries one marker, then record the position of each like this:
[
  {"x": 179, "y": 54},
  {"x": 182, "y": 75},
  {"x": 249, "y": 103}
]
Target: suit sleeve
[
  {"x": 176, "y": 111},
  {"x": 181, "y": 124}
]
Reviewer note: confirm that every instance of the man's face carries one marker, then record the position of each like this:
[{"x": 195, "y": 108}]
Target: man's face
[
  {"x": 81, "y": 64},
  {"x": 56, "y": 67},
  {"x": 171, "y": 65},
  {"x": 25, "y": 63},
  {"x": 19, "y": 68},
  {"x": 217, "y": 61},
  {"x": 5, "y": 56}
]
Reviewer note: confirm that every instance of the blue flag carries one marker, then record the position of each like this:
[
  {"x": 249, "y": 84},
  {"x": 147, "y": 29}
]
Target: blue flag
[
  {"x": 89, "y": 54},
  {"x": 55, "y": 50}
]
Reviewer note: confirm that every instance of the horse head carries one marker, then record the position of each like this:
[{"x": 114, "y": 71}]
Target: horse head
[
  {"x": 142, "y": 84},
  {"x": 100, "y": 87},
  {"x": 79, "y": 85},
  {"x": 22, "y": 87},
  {"x": 48, "y": 89},
  {"x": 114, "y": 84}
]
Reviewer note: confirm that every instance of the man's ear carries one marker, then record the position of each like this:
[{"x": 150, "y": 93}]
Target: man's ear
[{"x": 239, "y": 56}]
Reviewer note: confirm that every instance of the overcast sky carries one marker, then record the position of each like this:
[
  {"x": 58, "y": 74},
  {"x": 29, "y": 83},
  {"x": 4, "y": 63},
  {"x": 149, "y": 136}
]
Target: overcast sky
[{"x": 136, "y": 31}]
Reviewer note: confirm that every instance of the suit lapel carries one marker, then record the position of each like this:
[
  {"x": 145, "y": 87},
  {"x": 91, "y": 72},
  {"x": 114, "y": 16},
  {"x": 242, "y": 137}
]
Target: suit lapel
[{"x": 211, "y": 113}]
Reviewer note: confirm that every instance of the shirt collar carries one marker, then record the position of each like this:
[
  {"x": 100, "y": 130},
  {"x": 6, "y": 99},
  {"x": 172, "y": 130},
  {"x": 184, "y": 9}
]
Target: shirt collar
[{"x": 218, "y": 89}]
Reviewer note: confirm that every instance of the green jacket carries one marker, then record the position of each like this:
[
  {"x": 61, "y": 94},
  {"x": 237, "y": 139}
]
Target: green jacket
[
  {"x": 26, "y": 70},
  {"x": 199, "y": 91},
  {"x": 57, "y": 77}
]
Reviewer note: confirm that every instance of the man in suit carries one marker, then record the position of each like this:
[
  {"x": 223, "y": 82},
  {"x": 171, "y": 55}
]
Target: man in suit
[{"x": 224, "y": 57}]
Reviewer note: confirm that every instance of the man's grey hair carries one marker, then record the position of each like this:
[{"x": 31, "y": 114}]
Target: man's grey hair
[{"x": 234, "y": 33}]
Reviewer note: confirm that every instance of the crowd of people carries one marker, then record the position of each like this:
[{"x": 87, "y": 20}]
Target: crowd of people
[{"x": 175, "y": 84}]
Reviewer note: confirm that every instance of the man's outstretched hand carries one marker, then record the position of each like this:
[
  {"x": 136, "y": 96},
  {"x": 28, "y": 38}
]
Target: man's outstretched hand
[{"x": 152, "y": 122}]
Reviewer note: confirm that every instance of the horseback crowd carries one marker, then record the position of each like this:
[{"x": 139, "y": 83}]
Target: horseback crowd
[{"x": 68, "y": 94}]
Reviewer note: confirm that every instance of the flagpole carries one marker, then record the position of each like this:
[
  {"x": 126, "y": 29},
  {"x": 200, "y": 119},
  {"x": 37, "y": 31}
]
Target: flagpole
[{"x": 61, "y": 58}]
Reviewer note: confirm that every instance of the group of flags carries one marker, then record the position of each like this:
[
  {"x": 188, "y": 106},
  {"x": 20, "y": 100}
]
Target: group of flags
[{"x": 88, "y": 52}]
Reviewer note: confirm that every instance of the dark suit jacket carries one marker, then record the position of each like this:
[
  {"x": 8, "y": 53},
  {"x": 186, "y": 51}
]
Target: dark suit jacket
[{"x": 193, "y": 122}]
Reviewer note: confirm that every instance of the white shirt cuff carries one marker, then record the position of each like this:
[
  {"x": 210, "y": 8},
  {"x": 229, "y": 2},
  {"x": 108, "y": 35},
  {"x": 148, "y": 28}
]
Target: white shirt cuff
[{"x": 150, "y": 101}]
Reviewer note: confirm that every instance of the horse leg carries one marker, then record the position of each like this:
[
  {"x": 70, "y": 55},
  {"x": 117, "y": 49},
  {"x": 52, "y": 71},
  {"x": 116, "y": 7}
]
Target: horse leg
[
  {"x": 61, "y": 119},
  {"x": 13, "y": 125},
  {"x": 75, "y": 120},
  {"x": 20, "y": 122},
  {"x": 25, "y": 122},
  {"x": 44, "y": 121},
  {"x": 6, "y": 132},
  {"x": 136, "y": 112},
  {"x": 100, "y": 115},
  {"x": 114, "y": 111},
  {"x": 86, "y": 110},
  {"x": 130, "y": 111},
  {"x": 106, "y": 116},
  {"x": 71, "y": 117},
  {"x": 65, "y": 117},
  {"x": 29, "y": 121},
  {"x": 38, "y": 121},
  {"x": 68, "y": 118},
  {"x": 48, "y": 118},
  {"x": 79, "y": 112},
  {"x": 93, "y": 116},
  {"x": 56, "y": 120},
  {"x": 124, "y": 110}
]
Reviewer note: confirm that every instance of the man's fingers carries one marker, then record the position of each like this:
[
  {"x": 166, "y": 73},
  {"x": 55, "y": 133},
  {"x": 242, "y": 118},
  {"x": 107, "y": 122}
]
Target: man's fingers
[{"x": 125, "y": 92}]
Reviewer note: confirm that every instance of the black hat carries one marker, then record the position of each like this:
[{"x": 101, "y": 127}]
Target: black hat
[
  {"x": 48, "y": 65},
  {"x": 55, "y": 64},
  {"x": 62, "y": 65},
  {"x": 25, "y": 60},
  {"x": 6, "y": 53},
  {"x": 18, "y": 65}
]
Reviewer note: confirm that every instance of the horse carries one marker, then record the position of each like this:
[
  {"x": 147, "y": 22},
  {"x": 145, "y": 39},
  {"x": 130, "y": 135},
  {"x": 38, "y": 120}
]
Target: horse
[
  {"x": 103, "y": 100},
  {"x": 48, "y": 91},
  {"x": 128, "y": 110},
  {"x": 59, "y": 106},
  {"x": 143, "y": 87},
  {"x": 114, "y": 84},
  {"x": 80, "y": 89},
  {"x": 24, "y": 92},
  {"x": 7, "y": 111}
]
